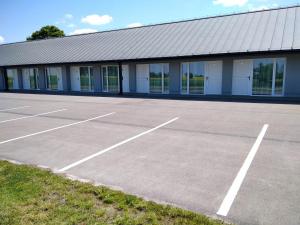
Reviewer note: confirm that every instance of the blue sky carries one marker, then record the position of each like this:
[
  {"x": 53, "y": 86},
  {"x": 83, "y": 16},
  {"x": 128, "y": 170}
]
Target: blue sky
[{"x": 19, "y": 18}]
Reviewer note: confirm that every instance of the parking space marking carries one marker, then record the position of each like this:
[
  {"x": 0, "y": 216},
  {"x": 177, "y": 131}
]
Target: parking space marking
[
  {"x": 55, "y": 128},
  {"x": 9, "y": 109},
  {"x": 233, "y": 190},
  {"x": 36, "y": 115},
  {"x": 116, "y": 145}
]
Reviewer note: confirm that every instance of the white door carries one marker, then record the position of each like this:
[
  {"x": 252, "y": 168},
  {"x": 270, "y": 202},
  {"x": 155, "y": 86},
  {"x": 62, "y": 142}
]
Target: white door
[
  {"x": 26, "y": 79},
  {"x": 75, "y": 78},
  {"x": 125, "y": 74},
  {"x": 242, "y": 77},
  {"x": 142, "y": 78},
  {"x": 213, "y": 78},
  {"x": 59, "y": 79}
]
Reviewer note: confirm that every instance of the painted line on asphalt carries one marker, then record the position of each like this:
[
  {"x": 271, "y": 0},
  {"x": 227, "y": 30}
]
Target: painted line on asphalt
[
  {"x": 36, "y": 115},
  {"x": 9, "y": 109},
  {"x": 233, "y": 190},
  {"x": 116, "y": 145},
  {"x": 56, "y": 128}
]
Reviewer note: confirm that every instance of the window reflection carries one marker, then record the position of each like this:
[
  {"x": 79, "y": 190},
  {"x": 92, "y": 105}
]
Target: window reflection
[
  {"x": 159, "y": 78},
  {"x": 268, "y": 76}
]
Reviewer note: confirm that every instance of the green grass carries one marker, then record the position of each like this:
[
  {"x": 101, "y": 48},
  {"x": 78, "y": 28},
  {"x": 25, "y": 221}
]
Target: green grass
[{"x": 29, "y": 195}]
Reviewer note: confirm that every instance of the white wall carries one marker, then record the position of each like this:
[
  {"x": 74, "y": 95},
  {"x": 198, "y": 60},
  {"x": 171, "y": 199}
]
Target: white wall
[{"x": 75, "y": 78}]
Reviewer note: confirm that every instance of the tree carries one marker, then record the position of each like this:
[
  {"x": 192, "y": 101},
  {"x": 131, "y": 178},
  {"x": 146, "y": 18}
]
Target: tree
[{"x": 46, "y": 32}]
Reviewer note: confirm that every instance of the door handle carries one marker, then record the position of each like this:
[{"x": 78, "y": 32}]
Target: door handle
[{"x": 249, "y": 77}]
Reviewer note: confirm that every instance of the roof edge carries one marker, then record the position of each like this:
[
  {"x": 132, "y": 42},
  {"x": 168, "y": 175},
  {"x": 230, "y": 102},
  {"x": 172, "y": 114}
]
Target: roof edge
[{"x": 165, "y": 58}]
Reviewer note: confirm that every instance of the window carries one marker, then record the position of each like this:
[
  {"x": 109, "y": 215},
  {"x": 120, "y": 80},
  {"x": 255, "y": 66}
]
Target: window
[
  {"x": 10, "y": 82},
  {"x": 30, "y": 78},
  {"x": 86, "y": 79},
  {"x": 159, "y": 78},
  {"x": 184, "y": 78},
  {"x": 110, "y": 78},
  {"x": 268, "y": 76},
  {"x": 12, "y": 79},
  {"x": 192, "y": 78},
  {"x": 53, "y": 80},
  {"x": 166, "y": 76},
  {"x": 91, "y": 78},
  {"x": 34, "y": 78}
]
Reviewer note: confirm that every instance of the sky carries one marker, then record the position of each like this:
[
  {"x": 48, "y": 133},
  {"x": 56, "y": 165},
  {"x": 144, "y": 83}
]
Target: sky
[{"x": 19, "y": 18}]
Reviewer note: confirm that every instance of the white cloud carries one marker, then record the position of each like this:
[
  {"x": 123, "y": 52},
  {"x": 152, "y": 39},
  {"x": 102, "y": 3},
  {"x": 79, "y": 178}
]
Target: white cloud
[
  {"x": 83, "y": 31},
  {"x": 137, "y": 24},
  {"x": 230, "y": 3},
  {"x": 95, "y": 19},
  {"x": 69, "y": 16},
  {"x": 1, "y": 40}
]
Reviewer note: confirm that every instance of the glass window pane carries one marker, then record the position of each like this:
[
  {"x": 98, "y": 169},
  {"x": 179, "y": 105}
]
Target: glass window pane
[
  {"x": 196, "y": 76},
  {"x": 52, "y": 79},
  {"x": 10, "y": 83},
  {"x": 104, "y": 81},
  {"x": 47, "y": 79},
  {"x": 262, "y": 77},
  {"x": 155, "y": 78},
  {"x": 12, "y": 78},
  {"x": 184, "y": 71},
  {"x": 36, "y": 77},
  {"x": 33, "y": 78},
  {"x": 92, "y": 78},
  {"x": 84, "y": 79},
  {"x": 166, "y": 77},
  {"x": 279, "y": 75},
  {"x": 113, "y": 79}
]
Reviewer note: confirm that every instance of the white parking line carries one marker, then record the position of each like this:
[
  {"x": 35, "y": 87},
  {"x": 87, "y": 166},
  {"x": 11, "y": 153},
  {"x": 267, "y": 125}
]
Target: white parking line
[
  {"x": 36, "y": 115},
  {"x": 115, "y": 146},
  {"x": 52, "y": 129},
  {"x": 233, "y": 190},
  {"x": 21, "y": 107}
]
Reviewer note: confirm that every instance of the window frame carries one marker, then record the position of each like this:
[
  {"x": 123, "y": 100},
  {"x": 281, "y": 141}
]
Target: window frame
[
  {"x": 162, "y": 71},
  {"x": 188, "y": 78},
  {"x": 14, "y": 76},
  {"x": 106, "y": 66},
  {"x": 90, "y": 89},
  {"x": 32, "y": 71},
  {"x": 47, "y": 80},
  {"x": 273, "y": 94}
]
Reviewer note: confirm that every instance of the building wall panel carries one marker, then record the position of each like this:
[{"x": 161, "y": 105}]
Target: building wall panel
[
  {"x": 174, "y": 77},
  {"x": 292, "y": 80}
]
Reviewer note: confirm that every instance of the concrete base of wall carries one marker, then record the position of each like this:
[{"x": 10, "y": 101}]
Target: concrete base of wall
[{"x": 222, "y": 98}]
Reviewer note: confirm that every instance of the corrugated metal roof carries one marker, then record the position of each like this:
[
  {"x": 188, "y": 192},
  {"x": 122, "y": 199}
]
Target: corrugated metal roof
[{"x": 268, "y": 30}]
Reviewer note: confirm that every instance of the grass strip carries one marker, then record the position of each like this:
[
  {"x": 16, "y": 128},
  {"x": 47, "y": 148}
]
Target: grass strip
[{"x": 29, "y": 195}]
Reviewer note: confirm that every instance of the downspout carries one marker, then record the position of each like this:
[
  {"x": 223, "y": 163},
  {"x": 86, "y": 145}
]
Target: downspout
[{"x": 120, "y": 79}]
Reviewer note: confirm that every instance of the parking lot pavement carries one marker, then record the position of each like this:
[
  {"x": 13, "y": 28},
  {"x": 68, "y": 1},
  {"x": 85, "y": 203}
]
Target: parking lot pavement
[{"x": 186, "y": 153}]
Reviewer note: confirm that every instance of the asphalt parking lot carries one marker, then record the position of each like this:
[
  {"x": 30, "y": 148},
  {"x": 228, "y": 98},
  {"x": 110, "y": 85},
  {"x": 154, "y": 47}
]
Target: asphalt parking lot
[{"x": 235, "y": 161}]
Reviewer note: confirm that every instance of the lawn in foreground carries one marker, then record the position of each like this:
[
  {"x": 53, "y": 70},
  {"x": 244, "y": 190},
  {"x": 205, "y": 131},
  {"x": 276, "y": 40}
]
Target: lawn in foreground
[{"x": 29, "y": 195}]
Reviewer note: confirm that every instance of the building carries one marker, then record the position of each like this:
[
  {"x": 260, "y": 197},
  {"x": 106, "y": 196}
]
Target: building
[{"x": 245, "y": 54}]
